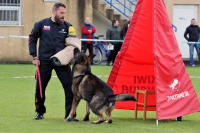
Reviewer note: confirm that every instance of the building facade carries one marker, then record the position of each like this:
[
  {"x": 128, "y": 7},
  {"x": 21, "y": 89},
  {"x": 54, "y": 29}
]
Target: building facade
[
  {"x": 17, "y": 17},
  {"x": 180, "y": 13}
]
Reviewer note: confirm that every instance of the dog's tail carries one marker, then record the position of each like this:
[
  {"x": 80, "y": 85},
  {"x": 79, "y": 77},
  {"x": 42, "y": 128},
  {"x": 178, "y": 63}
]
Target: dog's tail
[{"x": 121, "y": 97}]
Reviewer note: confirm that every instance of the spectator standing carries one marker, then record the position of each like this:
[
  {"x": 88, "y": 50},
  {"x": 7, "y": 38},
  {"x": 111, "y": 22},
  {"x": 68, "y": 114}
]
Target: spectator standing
[
  {"x": 88, "y": 31},
  {"x": 126, "y": 25},
  {"x": 114, "y": 33},
  {"x": 193, "y": 30}
]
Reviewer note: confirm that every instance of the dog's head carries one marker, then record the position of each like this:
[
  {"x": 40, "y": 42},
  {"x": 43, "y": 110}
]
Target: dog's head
[{"x": 81, "y": 63}]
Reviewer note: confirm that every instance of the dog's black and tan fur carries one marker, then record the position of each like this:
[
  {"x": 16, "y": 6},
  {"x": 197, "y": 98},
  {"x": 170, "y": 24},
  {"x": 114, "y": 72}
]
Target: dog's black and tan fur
[{"x": 99, "y": 96}]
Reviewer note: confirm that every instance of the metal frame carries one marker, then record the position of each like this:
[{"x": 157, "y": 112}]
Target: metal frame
[
  {"x": 174, "y": 27},
  {"x": 9, "y": 7},
  {"x": 123, "y": 4},
  {"x": 100, "y": 46}
]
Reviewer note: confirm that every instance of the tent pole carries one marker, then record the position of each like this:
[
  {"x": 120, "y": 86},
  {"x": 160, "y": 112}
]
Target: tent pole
[{"x": 157, "y": 122}]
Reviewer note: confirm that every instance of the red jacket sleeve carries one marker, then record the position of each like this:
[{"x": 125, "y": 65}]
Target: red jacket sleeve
[
  {"x": 84, "y": 30},
  {"x": 93, "y": 29}
]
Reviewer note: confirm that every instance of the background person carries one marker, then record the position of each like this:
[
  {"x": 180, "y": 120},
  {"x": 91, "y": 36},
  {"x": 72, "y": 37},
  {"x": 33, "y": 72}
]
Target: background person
[
  {"x": 114, "y": 33},
  {"x": 193, "y": 31},
  {"x": 126, "y": 25},
  {"x": 52, "y": 33},
  {"x": 87, "y": 31}
]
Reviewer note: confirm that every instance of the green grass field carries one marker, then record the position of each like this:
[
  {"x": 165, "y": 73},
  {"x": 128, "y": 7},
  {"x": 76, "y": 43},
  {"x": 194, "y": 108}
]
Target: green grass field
[{"x": 17, "y": 107}]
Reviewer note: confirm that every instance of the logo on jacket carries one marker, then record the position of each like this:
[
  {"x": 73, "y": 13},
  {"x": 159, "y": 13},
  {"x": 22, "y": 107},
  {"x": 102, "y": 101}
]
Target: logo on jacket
[
  {"x": 175, "y": 85},
  {"x": 46, "y": 27},
  {"x": 62, "y": 31}
]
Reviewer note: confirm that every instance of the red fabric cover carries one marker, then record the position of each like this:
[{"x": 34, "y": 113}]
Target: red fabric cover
[
  {"x": 169, "y": 69},
  {"x": 85, "y": 31},
  {"x": 150, "y": 59}
]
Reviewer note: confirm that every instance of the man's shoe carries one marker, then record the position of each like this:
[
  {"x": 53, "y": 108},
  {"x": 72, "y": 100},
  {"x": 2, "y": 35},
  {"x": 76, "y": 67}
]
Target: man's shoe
[
  {"x": 39, "y": 116},
  {"x": 193, "y": 65},
  {"x": 179, "y": 118},
  {"x": 74, "y": 119},
  {"x": 108, "y": 63}
]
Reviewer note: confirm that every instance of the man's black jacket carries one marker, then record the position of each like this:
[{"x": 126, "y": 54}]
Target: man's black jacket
[
  {"x": 193, "y": 31},
  {"x": 125, "y": 28},
  {"x": 52, "y": 38}
]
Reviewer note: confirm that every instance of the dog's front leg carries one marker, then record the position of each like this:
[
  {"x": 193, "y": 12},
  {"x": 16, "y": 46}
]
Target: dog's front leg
[
  {"x": 75, "y": 103},
  {"x": 86, "y": 118}
]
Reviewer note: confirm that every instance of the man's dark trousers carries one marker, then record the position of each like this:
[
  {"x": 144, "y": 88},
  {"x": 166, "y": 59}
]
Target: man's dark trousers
[
  {"x": 86, "y": 46},
  {"x": 65, "y": 76},
  {"x": 113, "y": 53}
]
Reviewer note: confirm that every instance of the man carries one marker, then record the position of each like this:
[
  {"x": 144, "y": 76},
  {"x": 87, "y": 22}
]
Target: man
[
  {"x": 126, "y": 25},
  {"x": 87, "y": 31},
  {"x": 114, "y": 33},
  {"x": 52, "y": 33},
  {"x": 193, "y": 31}
]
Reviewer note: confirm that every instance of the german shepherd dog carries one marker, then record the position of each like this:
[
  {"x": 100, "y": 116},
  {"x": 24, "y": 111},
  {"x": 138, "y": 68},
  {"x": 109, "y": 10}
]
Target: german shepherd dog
[{"x": 99, "y": 96}]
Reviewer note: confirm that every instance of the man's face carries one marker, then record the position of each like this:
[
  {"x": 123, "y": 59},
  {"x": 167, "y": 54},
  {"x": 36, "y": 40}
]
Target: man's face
[
  {"x": 130, "y": 17},
  {"x": 116, "y": 23},
  {"x": 87, "y": 20},
  {"x": 193, "y": 22},
  {"x": 60, "y": 15}
]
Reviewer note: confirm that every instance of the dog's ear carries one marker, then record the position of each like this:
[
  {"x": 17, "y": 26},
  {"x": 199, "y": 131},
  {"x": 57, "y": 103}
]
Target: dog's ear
[
  {"x": 90, "y": 57},
  {"x": 76, "y": 52},
  {"x": 81, "y": 59}
]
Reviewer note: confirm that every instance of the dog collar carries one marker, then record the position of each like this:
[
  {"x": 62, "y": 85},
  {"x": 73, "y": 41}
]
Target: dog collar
[{"x": 79, "y": 75}]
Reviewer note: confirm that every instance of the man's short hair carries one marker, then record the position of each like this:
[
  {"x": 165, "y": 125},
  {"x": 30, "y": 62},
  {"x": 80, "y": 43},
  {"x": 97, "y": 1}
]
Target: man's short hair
[
  {"x": 114, "y": 21},
  {"x": 57, "y": 5},
  {"x": 193, "y": 19}
]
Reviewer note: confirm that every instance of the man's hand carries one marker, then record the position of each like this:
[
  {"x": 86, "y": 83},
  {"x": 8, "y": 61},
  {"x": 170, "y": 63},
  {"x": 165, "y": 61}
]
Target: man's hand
[
  {"x": 110, "y": 44},
  {"x": 90, "y": 31},
  {"x": 189, "y": 43},
  {"x": 36, "y": 61}
]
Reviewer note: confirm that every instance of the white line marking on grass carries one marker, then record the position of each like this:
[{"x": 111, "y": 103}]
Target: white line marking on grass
[
  {"x": 100, "y": 76},
  {"x": 194, "y": 77},
  {"x": 24, "y": 77}
]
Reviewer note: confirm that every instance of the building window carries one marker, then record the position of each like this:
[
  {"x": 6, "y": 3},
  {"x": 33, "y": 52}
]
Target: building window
[{"x": 10, "y": 12}]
